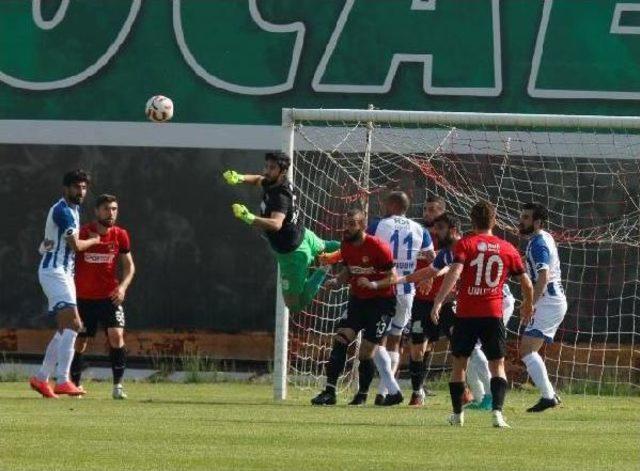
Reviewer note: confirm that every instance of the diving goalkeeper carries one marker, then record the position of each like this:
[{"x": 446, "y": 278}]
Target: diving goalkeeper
[{"x": 295, "y": 247}]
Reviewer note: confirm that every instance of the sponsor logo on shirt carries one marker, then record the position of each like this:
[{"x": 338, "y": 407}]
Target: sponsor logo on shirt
[
  {"x": 404, "y": 265},
  {"x": 362, "y": 270},
  {"x": 98, "y": 257},
  {"x": 484, "y": 247}
]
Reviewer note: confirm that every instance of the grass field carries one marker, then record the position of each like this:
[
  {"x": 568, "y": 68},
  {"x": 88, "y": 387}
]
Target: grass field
[{"x": 237, "y": 426}]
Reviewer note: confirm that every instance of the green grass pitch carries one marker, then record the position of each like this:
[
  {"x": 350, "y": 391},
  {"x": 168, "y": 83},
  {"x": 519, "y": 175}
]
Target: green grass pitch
[{"x": 237, "y": 426}]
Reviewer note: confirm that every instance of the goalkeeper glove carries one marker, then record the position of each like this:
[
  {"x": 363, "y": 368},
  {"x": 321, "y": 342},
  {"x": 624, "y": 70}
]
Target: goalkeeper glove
[
  {"x": 241, "y": 212},
  {"x": 232, "y": 177}
]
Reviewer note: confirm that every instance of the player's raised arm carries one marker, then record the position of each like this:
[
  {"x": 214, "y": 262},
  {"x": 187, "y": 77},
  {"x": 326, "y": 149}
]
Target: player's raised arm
[
  {"x": 424, "y": 274},
  {"x": 234, "y": 178},
  {"x": 67, "y": 225},
  {"x": 273, "y": 223},
  {"x": 80, "y": 245},
  {"x": 330, "y": 258},
  {"x": 391, "y": 278}
]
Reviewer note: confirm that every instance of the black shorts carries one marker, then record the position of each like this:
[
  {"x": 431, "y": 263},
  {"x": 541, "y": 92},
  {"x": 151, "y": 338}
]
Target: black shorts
[
  {"x": 372, "y": 316},
  {"x": 99, "y": 311},
  {"x": 489, "y": 330},
  {"x": 422, "y": 327}
]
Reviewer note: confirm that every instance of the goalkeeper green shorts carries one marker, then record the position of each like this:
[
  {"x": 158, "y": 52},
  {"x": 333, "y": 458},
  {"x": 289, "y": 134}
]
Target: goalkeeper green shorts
[{"x": 294, "y": 266}]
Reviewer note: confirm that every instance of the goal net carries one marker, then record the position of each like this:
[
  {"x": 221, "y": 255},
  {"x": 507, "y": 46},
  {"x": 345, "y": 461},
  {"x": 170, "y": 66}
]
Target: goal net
[{"x": 586, "y": 170}]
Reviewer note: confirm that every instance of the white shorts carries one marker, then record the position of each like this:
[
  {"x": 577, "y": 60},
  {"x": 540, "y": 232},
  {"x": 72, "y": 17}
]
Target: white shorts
[
  {"x": 59, "y": 288},
  {"x": 404, "y": 304},
  {"x": 548, "y": 314},
  {"x": 508, "y": 305}
]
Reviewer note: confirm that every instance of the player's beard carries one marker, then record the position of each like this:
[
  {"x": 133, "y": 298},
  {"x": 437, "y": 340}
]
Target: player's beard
[
  {"x": 525, "y": 230},
  {"x": 76, "y": 199},
  {"x": 106, "y": 222},
  {"x": 427, "y": 224},
  {"x": 351, "y": 238},
  {"x": 446, "y": 242},
  {"x": 269, "y": 181}
]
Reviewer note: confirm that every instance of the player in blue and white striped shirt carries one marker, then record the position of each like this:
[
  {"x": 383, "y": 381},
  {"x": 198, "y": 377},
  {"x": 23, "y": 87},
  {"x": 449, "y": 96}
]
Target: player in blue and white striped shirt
[
  {"x": 407, "y": 239},
  {"x": 550, "y": 304},
  {"x": 55, "y": 273}
]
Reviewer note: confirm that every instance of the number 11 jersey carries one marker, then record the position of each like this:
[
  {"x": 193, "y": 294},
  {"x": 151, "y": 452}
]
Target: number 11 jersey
[{"x": 407, "y": 239}]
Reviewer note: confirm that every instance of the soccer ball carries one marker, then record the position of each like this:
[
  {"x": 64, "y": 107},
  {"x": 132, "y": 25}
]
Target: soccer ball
[{"x": 159, "y": 109}]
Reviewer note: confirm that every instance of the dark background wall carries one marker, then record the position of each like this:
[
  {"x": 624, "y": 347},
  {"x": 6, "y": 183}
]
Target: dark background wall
[{"x": 197, "y": 266}]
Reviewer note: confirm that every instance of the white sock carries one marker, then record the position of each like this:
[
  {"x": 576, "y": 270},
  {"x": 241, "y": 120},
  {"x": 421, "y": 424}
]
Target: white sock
[
  {"x": 379, "y": 360},
  {"x": 480, "y": 365},
  {"x": 50, "y": 358},
  {"x": 474, "y": 383},
  {"x": 388, "y": 383},
  {"x": 65, "y": 355},
  {"x": 395, "y": 361},
  {"x": 538, "y": 372}
]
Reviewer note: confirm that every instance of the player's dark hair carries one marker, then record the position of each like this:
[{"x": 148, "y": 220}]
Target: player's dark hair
[
  {"x": 76, "y": 176},
  {"x": 538, "y": 211},
  {"x": 353, "y": 212},
  {"x": 437, "y": 199},
  {"x": 105, "y": 199},
  {"x": 449, "y": 219},
  {"x": 400, "y": 199},
  {"x": 483, "y": 215},
  {"x": 281, "y": 159}
]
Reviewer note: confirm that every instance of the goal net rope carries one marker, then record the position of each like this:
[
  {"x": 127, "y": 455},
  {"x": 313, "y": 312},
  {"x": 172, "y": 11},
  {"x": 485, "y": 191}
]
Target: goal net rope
[{"x": 586, "y": 171}]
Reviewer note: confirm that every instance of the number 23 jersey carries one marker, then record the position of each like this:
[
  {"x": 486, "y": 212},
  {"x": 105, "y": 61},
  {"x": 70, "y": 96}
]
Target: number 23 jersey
[{"x": 487, "y": 263}]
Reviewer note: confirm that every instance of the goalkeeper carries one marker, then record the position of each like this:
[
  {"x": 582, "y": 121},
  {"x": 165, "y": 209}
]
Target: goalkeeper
[{"x": 295, "y": 247}]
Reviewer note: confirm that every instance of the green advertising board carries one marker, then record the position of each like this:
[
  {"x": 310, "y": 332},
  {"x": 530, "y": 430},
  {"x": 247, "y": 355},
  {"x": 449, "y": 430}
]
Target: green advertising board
[{"x": 239, "y": 62}]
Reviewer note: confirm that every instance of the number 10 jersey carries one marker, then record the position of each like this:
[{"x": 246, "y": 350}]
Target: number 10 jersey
[{"x": 487, "y": 263}]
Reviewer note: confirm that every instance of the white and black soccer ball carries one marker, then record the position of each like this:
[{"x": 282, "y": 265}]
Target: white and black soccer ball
[{"x": 159, "y": 109}]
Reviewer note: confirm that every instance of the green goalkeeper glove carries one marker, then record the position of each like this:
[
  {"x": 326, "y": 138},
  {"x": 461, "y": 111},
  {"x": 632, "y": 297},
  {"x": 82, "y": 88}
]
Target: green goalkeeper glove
[
  {"x": 241, "y": 212},
  {"x": 232, "y": 177}
]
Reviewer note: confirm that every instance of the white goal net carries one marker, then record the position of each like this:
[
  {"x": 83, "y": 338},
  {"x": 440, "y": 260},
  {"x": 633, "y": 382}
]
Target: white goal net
[{"x": 586, "y": 170}]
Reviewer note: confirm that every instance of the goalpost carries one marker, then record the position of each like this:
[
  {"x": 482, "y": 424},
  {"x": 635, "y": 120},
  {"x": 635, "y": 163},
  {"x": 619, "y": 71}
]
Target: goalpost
[{"x": 585, "y": 169}]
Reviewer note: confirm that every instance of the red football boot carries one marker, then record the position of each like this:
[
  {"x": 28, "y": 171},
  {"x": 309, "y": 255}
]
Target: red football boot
[
  {"x": 69, "y": 389},
  {"x": 42, "y": 387}
]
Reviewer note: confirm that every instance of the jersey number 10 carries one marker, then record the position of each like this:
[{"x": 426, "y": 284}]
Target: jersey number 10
[{"x": 486, "y": 269}]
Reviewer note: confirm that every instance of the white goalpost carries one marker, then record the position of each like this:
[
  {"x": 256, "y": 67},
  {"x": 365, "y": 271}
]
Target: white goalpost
[{"x": 585, "y": 169}]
